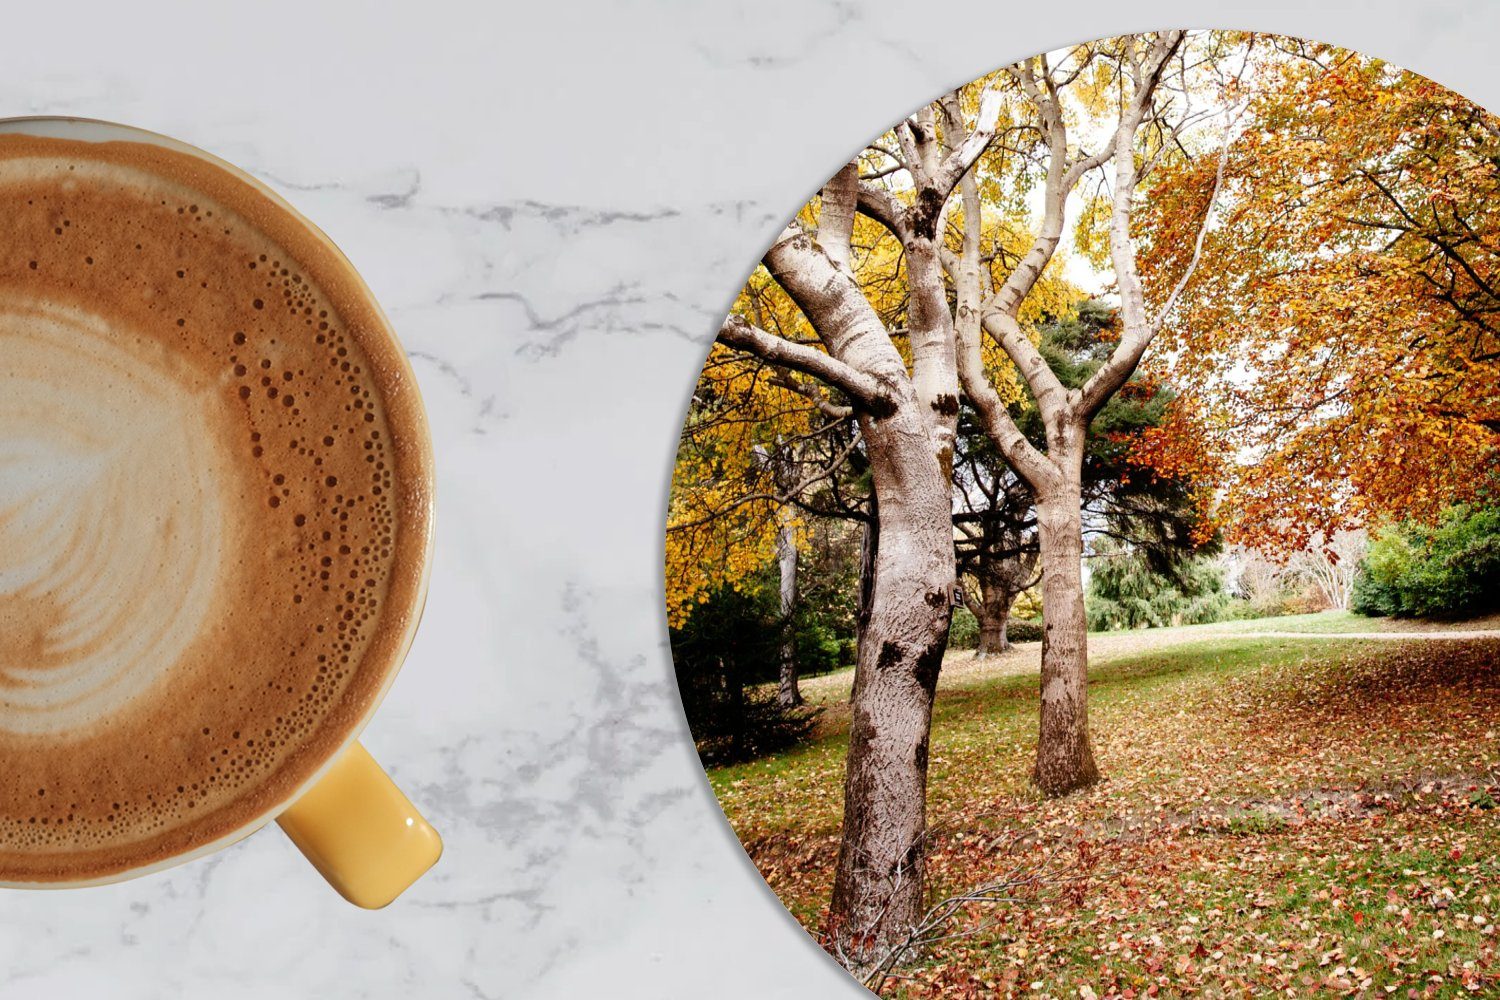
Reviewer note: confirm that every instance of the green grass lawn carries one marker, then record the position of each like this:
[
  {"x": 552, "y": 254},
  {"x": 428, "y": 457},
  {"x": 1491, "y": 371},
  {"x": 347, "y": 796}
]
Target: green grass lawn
[
  {"x": 1292, "y": 816},
  {"x": 1344, "y": 622},
  {"x": 960, "y": 670},
  {"x": 1323, "y": 622}
]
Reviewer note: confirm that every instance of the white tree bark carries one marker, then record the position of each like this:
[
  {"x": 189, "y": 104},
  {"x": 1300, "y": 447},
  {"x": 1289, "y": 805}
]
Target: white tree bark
[
  {"x": 936, "y": 170},
  {"x": 879, "y": 877},
  {"x": 788, "y": 694},
  {"x": 1065, "y": 758},
  {"x": 1331, "y": 566},
  {"x": 907, "y": 421}
]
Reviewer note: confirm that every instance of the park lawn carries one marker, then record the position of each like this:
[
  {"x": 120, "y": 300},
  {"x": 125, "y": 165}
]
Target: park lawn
[
  {"x": 1343, "y": 622},
  {"x": 960, "y": 670},
  {"x": 1323, "y": 622},
  {"x": 1286, "y": 816}
]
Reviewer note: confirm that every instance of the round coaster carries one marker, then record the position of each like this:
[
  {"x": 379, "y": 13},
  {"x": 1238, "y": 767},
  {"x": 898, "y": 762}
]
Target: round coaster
[{"x": 1070, "y": 520}]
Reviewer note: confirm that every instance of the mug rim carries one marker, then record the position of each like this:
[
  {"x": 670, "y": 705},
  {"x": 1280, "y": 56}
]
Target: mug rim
[{"x": 418, "y": 426}]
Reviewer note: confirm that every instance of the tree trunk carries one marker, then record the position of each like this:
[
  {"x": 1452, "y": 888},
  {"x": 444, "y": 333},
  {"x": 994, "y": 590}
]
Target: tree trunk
[
  {"x": 995, "y": 599},
  {"x": 734, "y": 690},
  {"x": 786, "y": 555},
  {"x": 1065, "y": 757},
  {"x": 934, "y": 364},
  {"x": 878, "y": 882},
  {"x": 869, "y": 545}
]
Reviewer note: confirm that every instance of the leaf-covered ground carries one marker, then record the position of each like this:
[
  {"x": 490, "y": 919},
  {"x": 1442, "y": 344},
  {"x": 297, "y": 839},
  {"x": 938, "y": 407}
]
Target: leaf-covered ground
[{"x": 1292, "y": 817}]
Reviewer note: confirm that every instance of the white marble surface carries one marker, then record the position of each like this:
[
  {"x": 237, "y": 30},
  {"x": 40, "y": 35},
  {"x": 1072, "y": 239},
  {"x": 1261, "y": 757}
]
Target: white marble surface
[{"x": 555, "y": 202}]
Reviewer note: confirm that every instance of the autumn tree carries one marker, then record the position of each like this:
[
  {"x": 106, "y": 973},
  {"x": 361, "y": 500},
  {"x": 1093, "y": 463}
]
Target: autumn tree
[
  {"x": 1341, "y": 336},
  {"x": 903, "y": 386},
  {"x": 755, "y": 448},
  {"x": 1128, "y": 72},
  {"x": 995, "y": 510},
  {"x": 906, "y": 419}
]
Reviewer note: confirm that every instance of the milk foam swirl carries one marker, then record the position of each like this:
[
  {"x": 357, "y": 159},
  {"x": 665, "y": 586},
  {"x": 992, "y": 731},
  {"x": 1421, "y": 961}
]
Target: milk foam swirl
[{"x": 111, "y": 517}]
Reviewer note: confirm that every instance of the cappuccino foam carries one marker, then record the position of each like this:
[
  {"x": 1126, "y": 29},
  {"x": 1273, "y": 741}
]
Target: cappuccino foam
[{"x": 213, "y": 511}]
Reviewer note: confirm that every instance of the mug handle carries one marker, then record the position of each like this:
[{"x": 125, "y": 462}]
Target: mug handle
[{"x": 360, "y": 832}]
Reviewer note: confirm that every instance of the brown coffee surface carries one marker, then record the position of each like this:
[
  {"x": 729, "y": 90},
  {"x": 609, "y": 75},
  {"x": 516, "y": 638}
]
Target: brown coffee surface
[{"x": 213, "y": 506}]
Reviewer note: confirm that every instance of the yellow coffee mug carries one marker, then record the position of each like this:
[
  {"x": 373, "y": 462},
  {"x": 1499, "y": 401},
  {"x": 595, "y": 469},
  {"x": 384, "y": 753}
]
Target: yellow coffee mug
[{"x": 349, "y": 819}]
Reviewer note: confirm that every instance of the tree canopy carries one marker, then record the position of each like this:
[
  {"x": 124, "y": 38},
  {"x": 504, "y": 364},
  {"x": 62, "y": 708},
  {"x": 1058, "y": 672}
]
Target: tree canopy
[{"x": 1338, "y": 343}]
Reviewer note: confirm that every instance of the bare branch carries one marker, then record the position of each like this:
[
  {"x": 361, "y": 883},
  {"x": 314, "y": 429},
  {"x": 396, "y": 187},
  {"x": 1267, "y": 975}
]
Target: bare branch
[
  {"x": 954, "y": 130},
  {"x": 1022, "y": 456},
  {"x": 1138, "y": 331},
  {"x": 789, "y": 495},
  {"x": 1017, "y": 887},
  {"x": 1061, "y": 180},
  {"x": 1000, "y": 310},
  {"x": 867, "y": 392},
  {"x": 965, "y": 269},
  {"x": 1050, "y": 394},
  {"x": 834, "y": 411},
  {"x": 973, "y": 146},
  {"x": 836, "y": 214},
  {"x": 879, "y": 204},
  {"x": 906, "y": 135}
]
